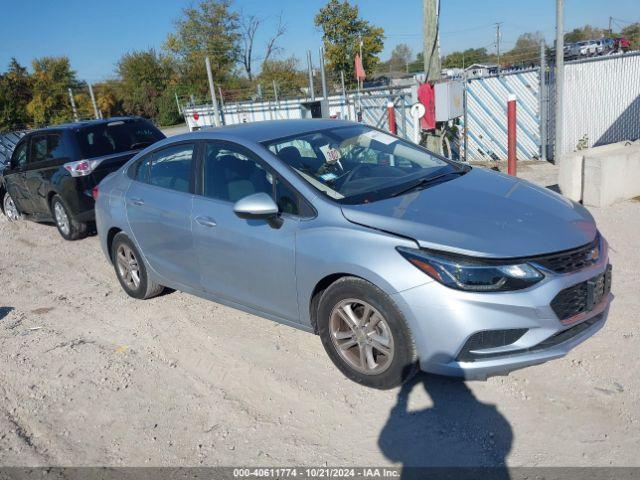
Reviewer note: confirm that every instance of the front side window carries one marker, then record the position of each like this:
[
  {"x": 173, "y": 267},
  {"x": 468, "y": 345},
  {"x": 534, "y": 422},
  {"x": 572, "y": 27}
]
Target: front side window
[
  {"x": 228, "y": 174},
  {"x": 20, "y": 155},
  {"x": 167, "y": 168},
  {"x": 357, "y": 164}
]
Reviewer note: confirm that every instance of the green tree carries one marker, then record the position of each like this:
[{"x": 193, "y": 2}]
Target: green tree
[
  {"x": 400, "y": 58},
  {"x": 342, "y": 31},
  {"x": 465, "y": 58},
  {"x": 51, "y": 78},
  {"x": 587, "y": 32},
  {"x": 289, "y": 79},
  {"x": 15, "y": 94},
  {"x": 632, "y": 33},
  {"x": 525, "y": 50},
  {"x": 144, "y": 76},
  {"x": 209, "y": 29}
]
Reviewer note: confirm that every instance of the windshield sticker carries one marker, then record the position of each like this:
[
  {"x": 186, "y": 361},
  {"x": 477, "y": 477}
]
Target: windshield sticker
[
  {"x": 331, "y": 155},
  {"x": 327, "y": 177},
  {"x": 380, "y": 137}
]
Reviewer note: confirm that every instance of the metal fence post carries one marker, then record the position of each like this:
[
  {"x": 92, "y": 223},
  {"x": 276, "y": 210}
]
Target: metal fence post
[
  {"x": 216, "y": 119},
  {"x": 322, "y": 73},
  {"x": 93, "y": 101},
  {"x": 542, "y": 99},
  {"x": 73, "y": 105},
  {"x": 310, "y": 67}
]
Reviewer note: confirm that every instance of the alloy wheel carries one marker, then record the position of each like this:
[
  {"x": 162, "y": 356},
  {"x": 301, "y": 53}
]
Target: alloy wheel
[
  {"x": 361, "y": 336},
  {"x": 62, "y": 219},
  {"x": 128, "y": 267},
  {"x": 10, "y": 209}
]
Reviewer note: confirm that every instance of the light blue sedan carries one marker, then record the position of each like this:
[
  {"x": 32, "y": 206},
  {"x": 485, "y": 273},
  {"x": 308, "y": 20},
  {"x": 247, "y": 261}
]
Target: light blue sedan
[{"x": 397, "y": 258}]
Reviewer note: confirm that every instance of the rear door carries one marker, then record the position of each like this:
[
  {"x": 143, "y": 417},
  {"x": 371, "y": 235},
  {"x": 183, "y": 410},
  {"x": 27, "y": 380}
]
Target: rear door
[
  {"x": 158, "y": 204},
  {"x": 47, "y": 153}
]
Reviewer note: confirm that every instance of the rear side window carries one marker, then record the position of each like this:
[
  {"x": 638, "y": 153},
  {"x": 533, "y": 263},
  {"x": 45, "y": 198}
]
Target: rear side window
[
  {"x": 168, "y": 168},
  {"x": 116, "y": 137},
  {"x": 46, "y": 147}
]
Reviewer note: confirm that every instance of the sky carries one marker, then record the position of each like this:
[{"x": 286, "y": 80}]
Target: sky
[{"x": 95, "y": 33}]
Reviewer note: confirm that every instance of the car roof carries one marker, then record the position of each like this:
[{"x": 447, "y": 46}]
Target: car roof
[
  {"x": 267, "y": 130},
  {"x": 83, "y": 123}
]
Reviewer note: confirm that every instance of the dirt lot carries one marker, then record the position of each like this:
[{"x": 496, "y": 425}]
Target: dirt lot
[{"x": 89, "y": 376}]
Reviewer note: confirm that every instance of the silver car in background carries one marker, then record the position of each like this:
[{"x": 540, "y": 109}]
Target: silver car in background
[{"x": 396, "y": 257}]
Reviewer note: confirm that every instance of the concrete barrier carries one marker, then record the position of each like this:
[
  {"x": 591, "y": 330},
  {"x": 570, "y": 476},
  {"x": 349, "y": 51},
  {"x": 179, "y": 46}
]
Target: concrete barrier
[{"x": 602, "y": 175}]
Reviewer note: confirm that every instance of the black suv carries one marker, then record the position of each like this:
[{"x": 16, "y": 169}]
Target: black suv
[{"x": 53, "y": 171}]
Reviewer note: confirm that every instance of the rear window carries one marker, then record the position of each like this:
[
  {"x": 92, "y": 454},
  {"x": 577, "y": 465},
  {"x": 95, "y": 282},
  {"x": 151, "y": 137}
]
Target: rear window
[{"x": 116, "y": 137}]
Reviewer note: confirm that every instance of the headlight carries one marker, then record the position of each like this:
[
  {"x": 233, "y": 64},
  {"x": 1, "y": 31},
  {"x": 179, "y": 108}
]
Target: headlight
[{"x": 471, "y": 274}]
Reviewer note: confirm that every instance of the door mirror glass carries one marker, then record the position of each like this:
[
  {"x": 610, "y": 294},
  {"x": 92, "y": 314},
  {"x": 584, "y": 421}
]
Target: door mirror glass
[{"x": 256, "y": 206}]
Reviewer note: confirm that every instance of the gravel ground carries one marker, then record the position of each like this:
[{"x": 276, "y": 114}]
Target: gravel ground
[{"x": 90, "y": 376}]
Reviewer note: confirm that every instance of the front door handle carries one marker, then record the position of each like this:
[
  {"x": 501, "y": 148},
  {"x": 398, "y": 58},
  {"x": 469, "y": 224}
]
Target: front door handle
[
  {"x": 137, "y": 201},
  {"x": 206, "y": 221}
]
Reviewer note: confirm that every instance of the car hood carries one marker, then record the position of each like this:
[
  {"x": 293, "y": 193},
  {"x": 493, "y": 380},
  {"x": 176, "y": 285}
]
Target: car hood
[{"x": 482, "y": 213}]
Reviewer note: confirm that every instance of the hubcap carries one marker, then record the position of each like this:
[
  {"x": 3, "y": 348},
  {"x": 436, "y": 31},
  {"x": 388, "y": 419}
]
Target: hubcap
[
  {"x": 361, "y": 336},
  {"x": 128, "y": 268},
  {"x": 61, "y": 218},
  {"x": 10, "y": 209}
]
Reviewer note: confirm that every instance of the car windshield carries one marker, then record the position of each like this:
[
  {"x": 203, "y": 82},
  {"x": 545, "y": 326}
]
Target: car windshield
[
  {"x": 358, "y": 164},
  {"x": 115, "y": 137}
]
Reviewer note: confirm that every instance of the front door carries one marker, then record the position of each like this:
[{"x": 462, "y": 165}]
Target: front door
[
  {"x": 249, "y": 262},
  {"x": 158, "y": 204},
  {"x": 15, "y": 177}
]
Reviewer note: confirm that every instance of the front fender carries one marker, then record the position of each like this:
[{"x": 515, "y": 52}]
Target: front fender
[{"x": 351, "y": 250}]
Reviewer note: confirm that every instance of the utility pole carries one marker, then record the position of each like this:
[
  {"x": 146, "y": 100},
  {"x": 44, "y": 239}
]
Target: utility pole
[
  {"x": 73, "y": 105},
  {"x": 212, "y": 89},
  {"x": 559, "y": 78},
  {"x": 93, "y": 101},
  {"x": 312, "y": 94},
  {"x": 498, "y": 43},
  {"x": 431, "y": 47},
  {"x": 431, "y": 11},
  {"x": 275, "y": 92}
]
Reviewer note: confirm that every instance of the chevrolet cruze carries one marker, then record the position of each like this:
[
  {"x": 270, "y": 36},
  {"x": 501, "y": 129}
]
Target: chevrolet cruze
[{"x": 397, "y": 258}]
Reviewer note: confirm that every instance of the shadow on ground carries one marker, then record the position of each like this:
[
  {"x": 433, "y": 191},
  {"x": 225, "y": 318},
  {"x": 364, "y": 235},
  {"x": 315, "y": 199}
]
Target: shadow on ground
[{"x": 457, "y": 431}]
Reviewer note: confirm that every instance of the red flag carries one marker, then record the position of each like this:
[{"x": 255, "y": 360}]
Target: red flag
[{"x": 360, "y": 75}]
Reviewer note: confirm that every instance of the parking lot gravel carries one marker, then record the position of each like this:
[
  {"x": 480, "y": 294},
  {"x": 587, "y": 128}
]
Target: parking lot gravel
[{"x": 89, "y": 376}]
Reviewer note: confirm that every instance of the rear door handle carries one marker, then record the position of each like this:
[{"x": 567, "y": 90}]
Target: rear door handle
[
  {"x": 206, "y": 221},
  {"x": 137, "y": 201}
]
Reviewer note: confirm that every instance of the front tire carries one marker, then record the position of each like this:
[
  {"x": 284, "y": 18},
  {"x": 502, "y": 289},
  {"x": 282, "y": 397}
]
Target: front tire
[
  {"x": 10, "y": 209},
  {"x": 365, "y": 334},
  {"x": 131, "y": 270},
  {"x": 68, "y": 226}
]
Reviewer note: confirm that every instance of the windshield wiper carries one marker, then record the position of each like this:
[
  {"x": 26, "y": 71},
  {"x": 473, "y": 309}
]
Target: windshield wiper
[{"x": 424, "y": 182}]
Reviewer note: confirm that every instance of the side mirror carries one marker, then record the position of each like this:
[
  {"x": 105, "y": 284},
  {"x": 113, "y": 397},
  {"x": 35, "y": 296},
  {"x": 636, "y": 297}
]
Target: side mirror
[{"x": 256, "y": 206}]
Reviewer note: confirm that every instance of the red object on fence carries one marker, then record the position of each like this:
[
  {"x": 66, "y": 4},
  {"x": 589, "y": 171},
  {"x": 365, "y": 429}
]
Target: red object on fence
[
  {"x": 196, "y": 116},
  {"x": 427, "y": 97},
  {"x": 391, "y": 111},
  {"x": 511, "y": 135},
  {"x": 360, "y": 74}
]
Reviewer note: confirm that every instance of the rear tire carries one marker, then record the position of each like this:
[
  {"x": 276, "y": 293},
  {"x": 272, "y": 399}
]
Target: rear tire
[
  {"x": 365, "y": 334},
  {"x": 131, "y": 270},
  {"x": 68, "y": 226},
  {"x": 10, "y": 209}
]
